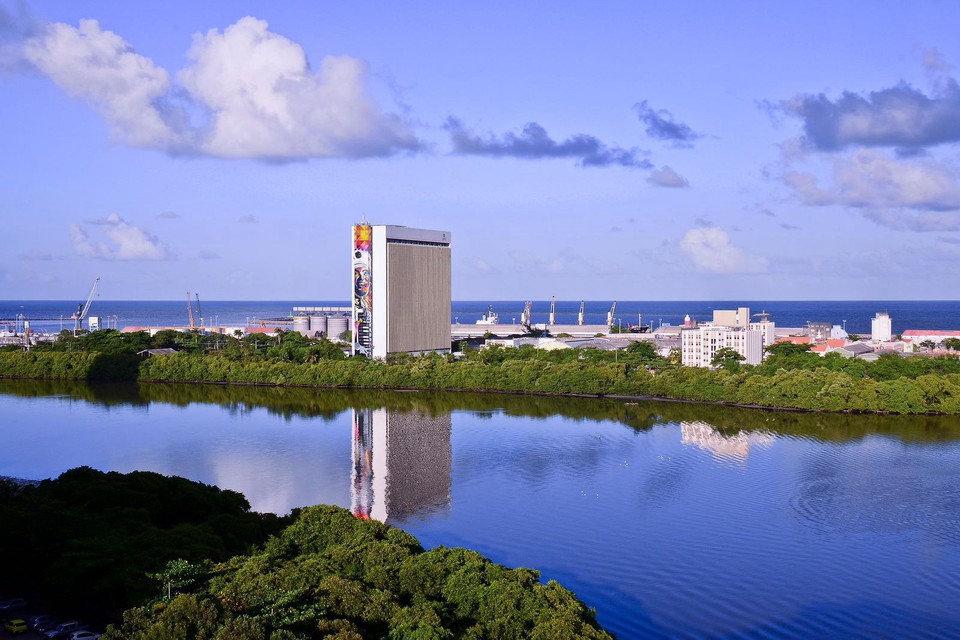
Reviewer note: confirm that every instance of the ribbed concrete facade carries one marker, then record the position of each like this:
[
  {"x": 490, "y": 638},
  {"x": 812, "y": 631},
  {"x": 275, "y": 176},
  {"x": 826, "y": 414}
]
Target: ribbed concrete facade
[{"x": 418, "y": 298}]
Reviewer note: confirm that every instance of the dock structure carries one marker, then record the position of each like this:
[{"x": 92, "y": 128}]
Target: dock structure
[{"x": 458, "y": 331}]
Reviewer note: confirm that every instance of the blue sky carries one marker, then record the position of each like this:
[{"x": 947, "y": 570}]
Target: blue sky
[{"x": 593, "y": 150}]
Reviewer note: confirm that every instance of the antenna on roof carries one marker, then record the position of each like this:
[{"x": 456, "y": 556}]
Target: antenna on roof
[{"x": 363, "y": 218}]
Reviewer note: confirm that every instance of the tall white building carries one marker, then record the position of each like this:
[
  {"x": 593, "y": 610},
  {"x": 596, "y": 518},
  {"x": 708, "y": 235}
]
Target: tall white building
[
  {"x": 401, "y": 290},
  {"x": 881, "y": 327}
]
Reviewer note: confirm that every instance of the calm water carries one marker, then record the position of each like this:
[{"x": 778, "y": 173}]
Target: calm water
[
  {"x": 672, "y": 520},
  {"x": 855, "y": 315}
]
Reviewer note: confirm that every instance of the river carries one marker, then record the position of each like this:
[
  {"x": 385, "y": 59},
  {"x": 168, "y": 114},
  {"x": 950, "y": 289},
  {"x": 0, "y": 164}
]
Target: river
[{"x": 673, "y": 520}]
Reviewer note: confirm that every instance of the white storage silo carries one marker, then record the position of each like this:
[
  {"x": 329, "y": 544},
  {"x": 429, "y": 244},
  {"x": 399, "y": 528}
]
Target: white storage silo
[
  {"x": 318, "y": 324},
  {"x": 301, "y": 324},
  {"x": 337, "y": 325}
]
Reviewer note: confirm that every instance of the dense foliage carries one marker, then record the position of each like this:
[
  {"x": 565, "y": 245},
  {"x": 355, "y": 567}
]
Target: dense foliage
[
  {"x": 330, "y": 575},
  {"x": 85, "y": 541},
  {"x": 790, "y": 377},
  {"x": 93, "y": 544}
]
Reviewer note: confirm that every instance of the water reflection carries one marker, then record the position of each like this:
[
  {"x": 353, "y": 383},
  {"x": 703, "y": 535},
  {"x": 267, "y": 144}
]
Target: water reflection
[
  {"x": 729, "y": 447},
  {"x": 402, "y": 463},
  {"x": 822, "y": 526}
]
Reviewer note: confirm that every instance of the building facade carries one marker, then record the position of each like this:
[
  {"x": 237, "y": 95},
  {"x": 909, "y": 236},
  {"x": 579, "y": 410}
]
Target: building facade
[
  {"x": 698, "y": 346},
  {"x": 881, "y": 327},
  {"x": 401, "y": 290}
]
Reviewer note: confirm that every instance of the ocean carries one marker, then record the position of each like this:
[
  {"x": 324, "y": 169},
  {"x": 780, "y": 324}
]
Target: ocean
[{"x": 54, "y": 315}]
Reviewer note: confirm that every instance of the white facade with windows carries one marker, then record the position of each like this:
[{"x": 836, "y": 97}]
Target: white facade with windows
[
  {"x": 699, "y": 346},
  {"x": 881, "y": 327}
]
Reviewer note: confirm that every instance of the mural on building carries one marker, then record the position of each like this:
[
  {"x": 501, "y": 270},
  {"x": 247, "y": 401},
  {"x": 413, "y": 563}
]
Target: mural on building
[{"x": 362, "y": 291}]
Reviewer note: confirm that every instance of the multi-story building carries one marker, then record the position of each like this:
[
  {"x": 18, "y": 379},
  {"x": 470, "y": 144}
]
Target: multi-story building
[
  {"x": 732, "y": 329},
  {"x": 881, "y": 327},
  {"x": 700, "y": 345},
  {"x": 401, "y": 290}
]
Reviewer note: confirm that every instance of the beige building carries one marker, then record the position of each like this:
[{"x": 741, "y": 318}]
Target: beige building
[
  {"x": 401, "y": 290},
  {"x": 698, "y": 346},
  {"x": 732, "y": 329}
]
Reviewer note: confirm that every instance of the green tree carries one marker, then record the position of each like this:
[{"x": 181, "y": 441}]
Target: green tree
[
  {"x": 727, "y": 358},
  {"x": 178, "y": 575}
]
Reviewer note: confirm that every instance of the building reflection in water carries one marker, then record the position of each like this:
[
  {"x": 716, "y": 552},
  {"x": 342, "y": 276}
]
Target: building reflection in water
[
  {"x": 402, "y": 463},
  {"x": 731, "y": 447}
]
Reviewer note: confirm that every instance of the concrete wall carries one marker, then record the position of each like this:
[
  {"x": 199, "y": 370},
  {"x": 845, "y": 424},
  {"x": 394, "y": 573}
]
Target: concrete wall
[{"x": 418, "y": 298}]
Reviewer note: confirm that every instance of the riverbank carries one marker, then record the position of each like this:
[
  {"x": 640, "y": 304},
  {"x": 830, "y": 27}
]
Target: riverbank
[{"x": 930, "y": 391}]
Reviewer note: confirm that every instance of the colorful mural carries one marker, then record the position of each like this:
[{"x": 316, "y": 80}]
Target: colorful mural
[{"x": 362, "y": 287}]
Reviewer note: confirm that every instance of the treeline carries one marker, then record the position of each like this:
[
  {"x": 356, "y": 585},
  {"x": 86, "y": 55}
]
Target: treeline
[
  {"x": 790, "y": 377},
  {"x": 303, "y": 402},
  {"x": 176, "y": 559}
]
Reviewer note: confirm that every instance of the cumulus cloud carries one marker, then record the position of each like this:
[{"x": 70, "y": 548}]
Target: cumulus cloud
[
  {"x": 667, "y": 177},
  {"x": 662, "y": 126},
  {"x": 900, "y": 116},
  {"x": 250, "y": 93},
  {"x": 168, "y": 215},
  {"x": 100, "y": 68},
  {"x": 711, "y": 250},
  {"x": 206, "y": 254},
  {"x": 872, "y": 179},
  {"x": 534, "y": 143},
  {"x": 116, "y": 239},
  {"x": 248, "y": 219},
  {"x": 267, "y": 102}
]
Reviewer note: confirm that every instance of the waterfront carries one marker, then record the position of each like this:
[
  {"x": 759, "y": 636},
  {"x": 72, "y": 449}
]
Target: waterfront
[
  {"x": 905, "y": 314},
  {"x": 671, "y": 520}
]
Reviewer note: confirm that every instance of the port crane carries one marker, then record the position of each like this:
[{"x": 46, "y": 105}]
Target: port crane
[
  {"x": 84, "y": 309},
  {"x": 190, "y": 311},
  {"x": 199, "y": 315},
  {"x": 613, "y": 310}
]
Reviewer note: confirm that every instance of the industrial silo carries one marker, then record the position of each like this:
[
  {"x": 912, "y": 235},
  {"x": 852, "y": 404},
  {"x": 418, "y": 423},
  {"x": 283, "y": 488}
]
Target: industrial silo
[
  {"x": 318, "y": 325},
  {"x": 337, "y": 325},
  {"x": 301, "y": 324}
]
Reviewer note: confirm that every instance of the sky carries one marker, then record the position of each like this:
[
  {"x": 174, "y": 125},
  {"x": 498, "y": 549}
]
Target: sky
[{"x": 616, "y": 150}]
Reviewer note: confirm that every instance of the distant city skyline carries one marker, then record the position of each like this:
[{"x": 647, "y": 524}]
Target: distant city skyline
[{"x": 621, "y": 151}]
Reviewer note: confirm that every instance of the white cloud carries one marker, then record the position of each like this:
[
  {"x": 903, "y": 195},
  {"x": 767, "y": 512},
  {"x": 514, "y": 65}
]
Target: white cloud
[
  {"x": 255, "y": 88},
  {"x": 267, "y": 103},
  {"x": 667, "y": 177},
  {"x": 248, "y": 219},
  {"x": 100, "y": 68},
  {"x": 711, "y": 250},
  {"x": 119, "y": 241},
  {"x": 869, "y": 178}
]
